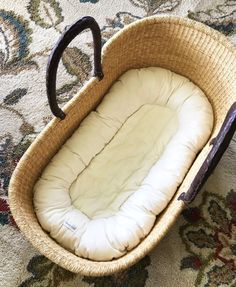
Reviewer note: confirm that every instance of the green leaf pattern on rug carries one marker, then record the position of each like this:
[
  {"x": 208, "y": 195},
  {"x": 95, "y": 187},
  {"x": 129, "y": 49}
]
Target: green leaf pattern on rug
[
  {"x": 222, "y": 274},
  {"x": 45, "y": 13},
  {"x": 14, "y": 96},
  {"x": 45, "y": 273},
  {"x": 218, "y": 215},
  {"x": 216, "y": 275},
  {"x": 15, "y": 37},
  {"x": 201, "y": 238},
  {"x": 135, "y": 276},
  {"x": 211, "y": 241},
  {"x": 231, "y": 203},
  {"x": 10, "y": 154},
  {"x": 152, "y": 7},
  {"x": 77, "y": 63},
  {"x": 222, "y": 17}
]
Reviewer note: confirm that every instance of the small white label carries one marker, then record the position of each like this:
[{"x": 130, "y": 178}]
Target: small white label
[{"x": 69, "y": 226}]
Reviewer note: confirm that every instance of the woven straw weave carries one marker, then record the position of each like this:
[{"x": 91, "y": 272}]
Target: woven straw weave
[{"x": 183, "y": 46}]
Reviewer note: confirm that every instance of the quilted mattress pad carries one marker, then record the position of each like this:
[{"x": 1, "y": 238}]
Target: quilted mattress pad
[{"x": 101, "y": 193}]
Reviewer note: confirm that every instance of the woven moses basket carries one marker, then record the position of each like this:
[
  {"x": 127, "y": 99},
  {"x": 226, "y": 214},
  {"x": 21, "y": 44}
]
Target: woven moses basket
[{"x": 183, "y": 46}]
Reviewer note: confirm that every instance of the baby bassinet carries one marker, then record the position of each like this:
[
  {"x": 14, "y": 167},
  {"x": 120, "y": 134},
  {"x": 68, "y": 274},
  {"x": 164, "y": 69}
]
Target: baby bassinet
[{"x": 183, "y": 46}]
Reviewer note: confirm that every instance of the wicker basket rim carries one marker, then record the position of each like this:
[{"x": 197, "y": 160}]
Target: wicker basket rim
[{"x": 173, "y": 20}]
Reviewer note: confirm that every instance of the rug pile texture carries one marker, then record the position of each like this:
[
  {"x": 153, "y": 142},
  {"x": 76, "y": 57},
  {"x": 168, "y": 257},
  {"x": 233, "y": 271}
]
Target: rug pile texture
[{"x": 200, "y": 250}]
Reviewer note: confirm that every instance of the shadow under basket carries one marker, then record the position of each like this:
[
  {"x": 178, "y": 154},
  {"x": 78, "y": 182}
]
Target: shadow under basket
[{"x": 183, "y": 46}]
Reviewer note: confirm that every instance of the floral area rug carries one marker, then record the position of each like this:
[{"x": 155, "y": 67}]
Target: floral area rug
[{"x": 200, "y": 250}]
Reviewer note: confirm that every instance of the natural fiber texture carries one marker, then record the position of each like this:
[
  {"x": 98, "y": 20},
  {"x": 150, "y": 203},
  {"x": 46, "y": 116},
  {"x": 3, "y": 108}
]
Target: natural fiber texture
[{"x": 183, "y": 46}]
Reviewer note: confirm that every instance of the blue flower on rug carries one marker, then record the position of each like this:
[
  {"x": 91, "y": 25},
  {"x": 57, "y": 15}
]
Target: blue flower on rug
[{"x": 114, "y": 25}]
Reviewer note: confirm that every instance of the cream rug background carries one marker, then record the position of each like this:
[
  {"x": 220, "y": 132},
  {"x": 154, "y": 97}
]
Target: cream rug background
[{"x": 200, "y": 250}]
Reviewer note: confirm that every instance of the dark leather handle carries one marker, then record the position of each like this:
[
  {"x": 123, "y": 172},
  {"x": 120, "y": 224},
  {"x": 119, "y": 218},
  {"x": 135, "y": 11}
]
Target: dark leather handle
[
  {"x": 54, "y": 58},
  {"x": 220, "y": 144}
]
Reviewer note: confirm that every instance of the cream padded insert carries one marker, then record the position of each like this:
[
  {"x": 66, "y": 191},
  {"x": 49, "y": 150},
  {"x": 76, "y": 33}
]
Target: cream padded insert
[{"x": 100, "y": 194}]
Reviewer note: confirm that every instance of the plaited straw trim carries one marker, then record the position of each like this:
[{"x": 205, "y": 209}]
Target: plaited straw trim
[{"x": 215, "y": 58}]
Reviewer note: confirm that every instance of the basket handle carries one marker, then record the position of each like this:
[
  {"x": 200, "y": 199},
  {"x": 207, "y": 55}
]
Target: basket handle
[
  {"x": 55, "y": 56},
  {"x": 220, "y": 144}
]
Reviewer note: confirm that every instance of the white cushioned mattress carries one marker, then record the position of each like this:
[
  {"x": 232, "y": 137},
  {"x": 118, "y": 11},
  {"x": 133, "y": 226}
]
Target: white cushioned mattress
[{"x": 101, "y": 193}]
